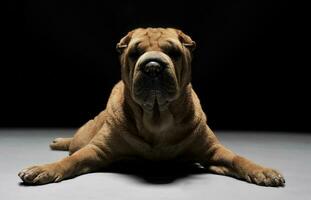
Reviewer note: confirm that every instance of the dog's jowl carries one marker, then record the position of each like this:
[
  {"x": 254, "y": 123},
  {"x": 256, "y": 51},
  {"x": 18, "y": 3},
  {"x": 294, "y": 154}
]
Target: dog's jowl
[{"x": 152, "y": 114}]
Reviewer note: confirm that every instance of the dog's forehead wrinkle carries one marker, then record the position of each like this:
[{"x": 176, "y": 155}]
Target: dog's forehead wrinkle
[
  {"x": 156, "y": 38},
  {"x": 152, "y": 35},
  {"x": 169, "y": 43},
  {"x": 134, "y": 42}
]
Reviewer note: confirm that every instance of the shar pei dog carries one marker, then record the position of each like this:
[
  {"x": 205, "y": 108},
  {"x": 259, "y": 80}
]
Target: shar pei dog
[{"x": 152, "y": 114}]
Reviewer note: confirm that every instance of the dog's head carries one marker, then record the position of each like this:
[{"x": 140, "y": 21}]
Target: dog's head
[{"x": 156, "y": 65}]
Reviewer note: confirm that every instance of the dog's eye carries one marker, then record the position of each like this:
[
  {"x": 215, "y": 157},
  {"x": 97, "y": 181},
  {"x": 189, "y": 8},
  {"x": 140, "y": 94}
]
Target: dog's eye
[
  {"x": 174, "y": 53},
  {"x": 135, "y": 53}
]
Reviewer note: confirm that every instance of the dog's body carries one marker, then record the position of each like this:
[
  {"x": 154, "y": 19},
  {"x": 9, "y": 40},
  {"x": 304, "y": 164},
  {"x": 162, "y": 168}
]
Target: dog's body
[{"x": 152, "y": 113}]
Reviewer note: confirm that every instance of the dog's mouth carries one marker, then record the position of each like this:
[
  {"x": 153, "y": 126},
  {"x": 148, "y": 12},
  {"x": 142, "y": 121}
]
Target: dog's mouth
[
  {"x": 154, "y": 81},
  {"x": 152, "y": 103},
  {"x": 153, "y": 93}
]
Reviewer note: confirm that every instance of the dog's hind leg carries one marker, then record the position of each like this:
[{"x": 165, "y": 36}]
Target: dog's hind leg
[{"x": 61, "y": 144}]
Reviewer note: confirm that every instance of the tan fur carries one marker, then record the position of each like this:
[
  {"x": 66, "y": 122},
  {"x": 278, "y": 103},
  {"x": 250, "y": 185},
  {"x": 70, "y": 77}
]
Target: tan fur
[{"x": 178, "y": 131}]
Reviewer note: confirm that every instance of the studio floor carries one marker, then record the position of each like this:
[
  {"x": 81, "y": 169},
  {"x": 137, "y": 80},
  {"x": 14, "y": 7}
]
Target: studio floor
[{"x": 288, "y": 152}]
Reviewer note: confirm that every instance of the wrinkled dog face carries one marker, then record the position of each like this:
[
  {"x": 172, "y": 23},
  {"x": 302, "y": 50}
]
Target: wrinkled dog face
[{"x": 155, "y": 65}]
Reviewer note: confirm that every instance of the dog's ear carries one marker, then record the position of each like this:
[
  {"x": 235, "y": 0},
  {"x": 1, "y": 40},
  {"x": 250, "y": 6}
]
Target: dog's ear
[
  {"x": 124, "y": 42},
  {"x": 186, "y": 40}
]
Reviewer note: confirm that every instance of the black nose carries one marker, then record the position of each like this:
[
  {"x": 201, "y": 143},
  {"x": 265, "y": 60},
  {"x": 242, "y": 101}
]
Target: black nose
[{"x": 152, "y": 68}]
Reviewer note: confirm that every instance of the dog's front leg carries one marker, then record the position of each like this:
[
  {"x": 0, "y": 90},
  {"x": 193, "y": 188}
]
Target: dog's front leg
[
  {"x": 88, "y": 159},
  {"x": 221, "y": 160}
]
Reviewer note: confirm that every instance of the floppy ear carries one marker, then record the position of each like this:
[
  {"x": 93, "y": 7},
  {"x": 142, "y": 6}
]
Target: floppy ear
[
  {"x": 124, "y": 42},
  {"x": 186, "y": 40}
]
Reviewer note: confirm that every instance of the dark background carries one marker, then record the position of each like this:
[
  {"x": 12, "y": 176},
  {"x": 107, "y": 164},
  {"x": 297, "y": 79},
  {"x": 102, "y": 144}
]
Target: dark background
[{"x": 59, "y": 62}]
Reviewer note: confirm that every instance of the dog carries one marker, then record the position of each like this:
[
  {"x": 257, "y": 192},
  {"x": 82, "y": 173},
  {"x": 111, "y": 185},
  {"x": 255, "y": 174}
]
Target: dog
[{"x": 153, "y": 114}]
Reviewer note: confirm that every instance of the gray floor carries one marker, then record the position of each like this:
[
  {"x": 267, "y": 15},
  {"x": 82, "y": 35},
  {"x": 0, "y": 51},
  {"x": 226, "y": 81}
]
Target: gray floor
[{"x": 290, "y": 153}]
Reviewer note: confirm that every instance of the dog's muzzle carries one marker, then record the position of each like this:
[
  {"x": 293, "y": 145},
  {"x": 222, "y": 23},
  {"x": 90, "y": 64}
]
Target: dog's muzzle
[
  {"x": 154, "y": 80},
  {"x": 153, "y": 63}
]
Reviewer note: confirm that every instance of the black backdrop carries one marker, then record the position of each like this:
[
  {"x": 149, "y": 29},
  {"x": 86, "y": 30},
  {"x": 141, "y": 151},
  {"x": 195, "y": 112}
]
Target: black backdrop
[{"x": 59, "y": 61}]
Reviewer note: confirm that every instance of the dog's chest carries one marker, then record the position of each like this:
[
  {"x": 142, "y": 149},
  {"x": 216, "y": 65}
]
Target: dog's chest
[
  {"x": 158, "y": 139},
  {"x": 158, "y": 151},
  {"x": 158, "y": 146},
  {"x": 161, "y": 152},
  {"x": 158, "y": 125}
]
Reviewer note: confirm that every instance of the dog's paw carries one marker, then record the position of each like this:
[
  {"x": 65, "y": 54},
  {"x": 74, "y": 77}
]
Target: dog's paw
[
  {"x": 265, "y": 177},
  {"x": 40, "y": 175}
]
